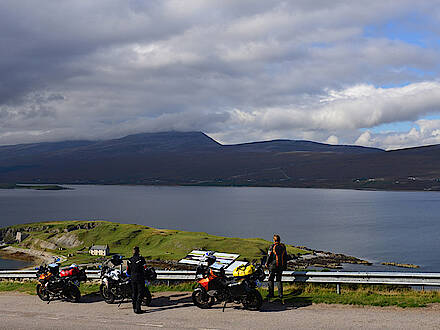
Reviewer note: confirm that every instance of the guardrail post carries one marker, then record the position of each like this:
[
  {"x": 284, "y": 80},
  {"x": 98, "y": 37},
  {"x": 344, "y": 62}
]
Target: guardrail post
[{"x": 338, "y": 288}]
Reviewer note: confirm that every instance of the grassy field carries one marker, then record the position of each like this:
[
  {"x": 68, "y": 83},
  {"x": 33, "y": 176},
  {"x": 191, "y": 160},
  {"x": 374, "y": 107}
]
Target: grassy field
[
  {"x": 154, "y": 243},
  {"x": 298, "y": 294}
]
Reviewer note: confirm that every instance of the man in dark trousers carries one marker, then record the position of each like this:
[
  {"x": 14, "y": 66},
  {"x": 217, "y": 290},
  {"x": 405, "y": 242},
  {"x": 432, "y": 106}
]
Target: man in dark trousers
[
  {"x": 135, "y": 268},
  {"x": 276, "y": 262}
]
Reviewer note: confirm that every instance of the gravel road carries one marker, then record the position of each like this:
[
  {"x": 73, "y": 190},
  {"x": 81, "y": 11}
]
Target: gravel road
[{"x": 175, "y": 311}]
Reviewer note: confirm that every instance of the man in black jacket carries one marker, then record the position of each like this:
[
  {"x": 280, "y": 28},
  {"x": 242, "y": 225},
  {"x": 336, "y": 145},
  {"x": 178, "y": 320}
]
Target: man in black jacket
[
  {"x": 135, "y": 268},
  {"x": 276, "y": 262}
]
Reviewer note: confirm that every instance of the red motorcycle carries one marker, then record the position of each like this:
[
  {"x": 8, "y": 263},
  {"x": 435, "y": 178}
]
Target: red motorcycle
[
  {"x": 215, "y": 287},
  {"x": 55, "y": 284}
]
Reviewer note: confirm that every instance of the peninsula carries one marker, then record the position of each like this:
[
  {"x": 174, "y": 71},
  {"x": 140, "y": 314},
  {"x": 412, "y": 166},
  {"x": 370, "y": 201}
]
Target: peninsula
[{"x": 71, "y": 241}]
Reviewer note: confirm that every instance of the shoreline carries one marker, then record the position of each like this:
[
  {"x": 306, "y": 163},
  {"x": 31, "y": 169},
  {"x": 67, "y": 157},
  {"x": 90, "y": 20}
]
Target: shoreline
[
  {"x": 59, "y": 186},
  {"x": 34, "y": 257}
]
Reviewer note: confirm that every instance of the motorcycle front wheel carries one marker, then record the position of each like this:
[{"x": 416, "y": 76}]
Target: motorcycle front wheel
[
  {"x": 146, "y": 301},
  {"x": 201, "y": 299},
  {"x": 103, "y": 291},
  {"x": 42, "y": 293},
  {"x": 108, "y": 296},
  {"x": 253, "y": 300}
]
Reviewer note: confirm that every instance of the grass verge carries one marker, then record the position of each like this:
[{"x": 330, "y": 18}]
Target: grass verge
[{"x": 363, "y": 295}]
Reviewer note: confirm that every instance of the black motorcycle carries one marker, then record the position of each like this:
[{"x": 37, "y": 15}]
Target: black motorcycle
[
  {"x": 217, "y": 287},
  {"x": 116, "y": 285},
  {"x": 51, "y": 286}
]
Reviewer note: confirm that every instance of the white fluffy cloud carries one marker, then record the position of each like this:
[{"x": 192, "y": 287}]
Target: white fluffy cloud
[
  {"x": 238, "y": 70},
  {"x": 427, "y": 132}
]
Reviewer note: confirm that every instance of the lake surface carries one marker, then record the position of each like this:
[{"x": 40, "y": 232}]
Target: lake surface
[
  {"x": 13, "y": 264},
  {"x": 378, "y": 226}
]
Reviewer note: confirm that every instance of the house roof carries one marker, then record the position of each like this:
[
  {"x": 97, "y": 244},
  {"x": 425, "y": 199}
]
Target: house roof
[{"x": 99, "y": 247}]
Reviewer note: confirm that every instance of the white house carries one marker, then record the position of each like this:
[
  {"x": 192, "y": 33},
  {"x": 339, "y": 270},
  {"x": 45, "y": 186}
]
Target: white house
[{"x": 99, "y": 250}]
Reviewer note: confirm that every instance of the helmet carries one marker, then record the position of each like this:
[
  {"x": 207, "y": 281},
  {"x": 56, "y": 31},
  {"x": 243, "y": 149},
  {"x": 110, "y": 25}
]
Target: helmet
[{"x": 209, "y": 258}]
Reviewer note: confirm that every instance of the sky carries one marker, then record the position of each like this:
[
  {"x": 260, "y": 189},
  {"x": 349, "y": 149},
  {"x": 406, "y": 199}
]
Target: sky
[{"x": 339, "y": 72}]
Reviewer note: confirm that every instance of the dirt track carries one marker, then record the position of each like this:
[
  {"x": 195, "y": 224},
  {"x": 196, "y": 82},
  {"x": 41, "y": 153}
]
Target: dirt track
[{"x": 175, "y": 311}]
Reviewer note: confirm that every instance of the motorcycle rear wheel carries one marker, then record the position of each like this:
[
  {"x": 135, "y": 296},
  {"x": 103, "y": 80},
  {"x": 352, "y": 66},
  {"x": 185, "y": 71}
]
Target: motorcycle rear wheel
[
  {"x": 253, "y": 301},
  {"x": 201, "y": 299},
  {"x": 73, "y": 294},
  {"x": 42, "y": 293}
]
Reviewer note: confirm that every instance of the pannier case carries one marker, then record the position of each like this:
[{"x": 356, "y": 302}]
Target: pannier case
[
  {"x": 150, "y": 273},
  {"x": 237, "y": 289}
]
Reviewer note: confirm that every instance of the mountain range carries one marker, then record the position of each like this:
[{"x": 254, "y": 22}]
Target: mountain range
[{"x": 194, "y": 158}]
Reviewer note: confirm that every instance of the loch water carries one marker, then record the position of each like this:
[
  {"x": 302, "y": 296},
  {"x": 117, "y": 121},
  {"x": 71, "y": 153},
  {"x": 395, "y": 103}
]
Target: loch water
[
  {"x": 13, "y": 264},
  {"x": 377, "y": 226}
]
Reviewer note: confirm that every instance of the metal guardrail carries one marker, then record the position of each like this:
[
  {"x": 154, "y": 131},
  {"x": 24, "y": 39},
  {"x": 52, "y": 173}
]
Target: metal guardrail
[
  {"x": 32, "y": 273},
  {"x": 396, "y": 278}
]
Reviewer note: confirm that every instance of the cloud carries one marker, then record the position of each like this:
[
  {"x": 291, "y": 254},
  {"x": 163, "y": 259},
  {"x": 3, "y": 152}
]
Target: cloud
[
  {"x": 360, "y": 106},
  {"x": 238, "y": 70},
  {"x": 426, "y": 132},
  {"x": 332, "y": 139}
]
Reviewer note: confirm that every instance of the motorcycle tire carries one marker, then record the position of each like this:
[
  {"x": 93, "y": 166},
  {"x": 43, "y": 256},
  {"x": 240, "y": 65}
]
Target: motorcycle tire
[
  {"x": 42, "y": 293},
  {"x": 108, "y": 296},
  {"x": 103, "y": 291},
  {"x": 73, "y": 294},
  {"x": 253, "y": 300},
  {"x": 201, "y": 299},
  {"x": 146, "y": 300}
]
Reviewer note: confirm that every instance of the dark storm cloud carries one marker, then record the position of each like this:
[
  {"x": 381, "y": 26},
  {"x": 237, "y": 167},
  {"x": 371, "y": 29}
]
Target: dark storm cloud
[{"x": 240, "y": 70}]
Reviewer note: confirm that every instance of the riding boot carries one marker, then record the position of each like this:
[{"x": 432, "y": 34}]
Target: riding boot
[
  {"x": 280, "y": 289},
  {"x": 138, "y": 309},
  {"x": 270, "y": 286}
]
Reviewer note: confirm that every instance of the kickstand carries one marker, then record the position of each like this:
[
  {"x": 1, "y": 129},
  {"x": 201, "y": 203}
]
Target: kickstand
[{"x": 224, "y": 306}]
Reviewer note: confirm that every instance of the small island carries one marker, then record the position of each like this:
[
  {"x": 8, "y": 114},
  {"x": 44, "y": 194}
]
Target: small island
[
  {"x": 72, "y": 240},
  {"x": 396, "y": 264},
  {"x": 35, "y": 187}
]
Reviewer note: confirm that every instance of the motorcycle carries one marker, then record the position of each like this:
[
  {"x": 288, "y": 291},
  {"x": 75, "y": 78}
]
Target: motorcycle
[
  {"x": 116, "y": 285},
  {"x": 215, "y": 288},
  {"x": 51, "y": 285}
]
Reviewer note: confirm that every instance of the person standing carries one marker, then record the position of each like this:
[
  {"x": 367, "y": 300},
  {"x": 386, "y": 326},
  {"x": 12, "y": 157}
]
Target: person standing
[
  {"x": 276, "y": 262},
  {"x": 135, "y": 268}
]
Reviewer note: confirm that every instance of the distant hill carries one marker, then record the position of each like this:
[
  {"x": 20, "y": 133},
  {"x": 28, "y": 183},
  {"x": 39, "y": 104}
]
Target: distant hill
[
  {"x": 299, "y": 145},
  {"x": 193, "y": 158}
]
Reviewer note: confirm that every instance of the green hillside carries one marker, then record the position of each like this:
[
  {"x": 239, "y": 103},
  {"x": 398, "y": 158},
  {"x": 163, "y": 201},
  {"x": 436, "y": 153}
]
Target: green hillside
[{"x": 75, "y": 237}]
